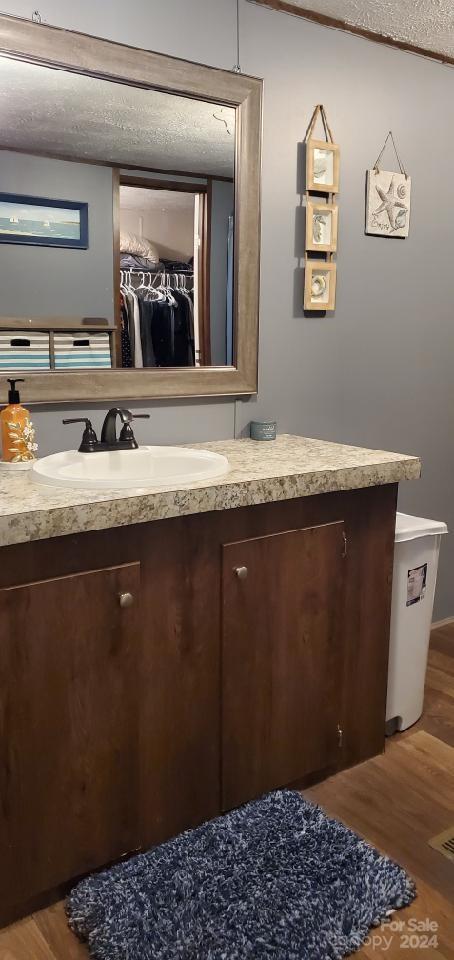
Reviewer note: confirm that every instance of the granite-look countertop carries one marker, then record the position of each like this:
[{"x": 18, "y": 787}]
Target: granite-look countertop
[{"x": 260, "y": 472}]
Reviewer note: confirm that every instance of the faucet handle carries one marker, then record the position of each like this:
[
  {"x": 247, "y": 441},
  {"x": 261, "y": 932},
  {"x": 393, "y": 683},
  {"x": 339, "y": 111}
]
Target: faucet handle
[
  {"x": 89, "y": 438},
  {"x": 84, "y": 420},
  {"x": 126, "y": 432}
]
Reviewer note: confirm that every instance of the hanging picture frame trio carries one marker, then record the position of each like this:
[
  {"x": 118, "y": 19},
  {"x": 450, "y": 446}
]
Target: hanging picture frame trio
[{"x": 322, "y": 216}]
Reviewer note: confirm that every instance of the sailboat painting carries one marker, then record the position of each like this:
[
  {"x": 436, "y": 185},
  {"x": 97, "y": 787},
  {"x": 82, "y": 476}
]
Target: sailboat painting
[{"x": 41, "y": 222}]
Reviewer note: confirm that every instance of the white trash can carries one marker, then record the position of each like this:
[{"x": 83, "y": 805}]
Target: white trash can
[{"x": 417, "y": 546}]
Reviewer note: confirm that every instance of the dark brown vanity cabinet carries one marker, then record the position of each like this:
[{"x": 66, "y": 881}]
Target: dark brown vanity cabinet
[
  {"x": 68, "y": 719},
  {"x": 152, "y": 676},
  {"x": 282, "y": 656}
]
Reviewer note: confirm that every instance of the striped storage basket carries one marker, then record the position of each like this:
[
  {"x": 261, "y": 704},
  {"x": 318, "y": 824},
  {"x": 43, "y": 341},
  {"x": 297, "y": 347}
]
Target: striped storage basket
[
  {"x": 24, "y": 350},
  {"x": 79, "y": 350}
]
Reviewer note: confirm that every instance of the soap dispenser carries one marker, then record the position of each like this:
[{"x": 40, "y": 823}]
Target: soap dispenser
[{"x": 18, "y": 436}]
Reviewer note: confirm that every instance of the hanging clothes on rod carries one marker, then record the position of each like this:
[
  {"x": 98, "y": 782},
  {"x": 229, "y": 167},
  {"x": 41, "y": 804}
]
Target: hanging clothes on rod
[
  {"x": 131, "y": 346},
  {"x": 157, "y": 319}
]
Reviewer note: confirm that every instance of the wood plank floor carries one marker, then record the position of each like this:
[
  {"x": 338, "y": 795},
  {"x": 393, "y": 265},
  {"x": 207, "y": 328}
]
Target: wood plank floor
[{"x": 397, "y": 801}]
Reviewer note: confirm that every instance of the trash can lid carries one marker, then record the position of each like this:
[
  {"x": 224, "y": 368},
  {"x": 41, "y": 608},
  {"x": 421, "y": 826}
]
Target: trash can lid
[{"x": 410, "y": 528}]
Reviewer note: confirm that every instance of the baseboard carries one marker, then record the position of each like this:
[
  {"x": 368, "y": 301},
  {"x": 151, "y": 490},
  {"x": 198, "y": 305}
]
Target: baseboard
[{"x": 442, "y": 623}]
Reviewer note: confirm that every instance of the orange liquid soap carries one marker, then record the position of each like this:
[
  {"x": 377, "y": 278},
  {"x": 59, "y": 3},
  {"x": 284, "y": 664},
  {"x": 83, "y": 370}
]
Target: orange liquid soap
[{"x": 17, "y": 433}]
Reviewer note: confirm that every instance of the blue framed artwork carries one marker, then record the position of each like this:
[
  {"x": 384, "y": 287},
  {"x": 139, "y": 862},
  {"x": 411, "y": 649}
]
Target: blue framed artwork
[{"x": 41, "y": 222}]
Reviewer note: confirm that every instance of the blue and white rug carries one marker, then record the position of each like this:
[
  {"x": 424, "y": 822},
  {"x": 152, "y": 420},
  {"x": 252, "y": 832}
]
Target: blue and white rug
[{"x": 274, "y": 880}]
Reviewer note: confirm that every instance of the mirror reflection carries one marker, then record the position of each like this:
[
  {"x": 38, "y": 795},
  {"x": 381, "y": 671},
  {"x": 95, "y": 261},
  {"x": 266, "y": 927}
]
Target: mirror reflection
[{"x": 116, "y": 224}]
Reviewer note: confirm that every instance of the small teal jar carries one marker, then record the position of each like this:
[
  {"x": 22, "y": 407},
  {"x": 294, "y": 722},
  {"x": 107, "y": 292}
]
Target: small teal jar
[{"x": 263, "y": 429}]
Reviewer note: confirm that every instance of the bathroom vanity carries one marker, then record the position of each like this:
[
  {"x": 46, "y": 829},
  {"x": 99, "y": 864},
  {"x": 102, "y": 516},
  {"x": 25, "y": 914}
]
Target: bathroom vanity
[
  {"x": 166, "y": 653},
  {"x": 170, "y": 654}
]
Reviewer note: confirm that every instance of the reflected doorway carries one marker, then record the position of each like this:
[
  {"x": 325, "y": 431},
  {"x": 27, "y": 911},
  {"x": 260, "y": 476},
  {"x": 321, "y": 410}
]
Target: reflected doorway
[{"x": 164, "y": 272}]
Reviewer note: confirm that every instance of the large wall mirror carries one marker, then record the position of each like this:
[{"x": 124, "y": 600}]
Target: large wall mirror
[{"x": 129, "y": 220}]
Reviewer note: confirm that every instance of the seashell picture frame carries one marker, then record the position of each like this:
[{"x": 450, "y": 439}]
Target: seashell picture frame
[
  {"x": 321, "y": 226},
  {"x": 320, "y": 285},
  {"x": 322, "y": 166}
]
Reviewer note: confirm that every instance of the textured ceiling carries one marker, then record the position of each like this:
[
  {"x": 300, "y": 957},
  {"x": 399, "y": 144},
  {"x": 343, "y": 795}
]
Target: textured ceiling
[
  {"x": 70, "y": 115},
  {"x": 427, "y": 24},
  {"x": 136, "y": 198}
]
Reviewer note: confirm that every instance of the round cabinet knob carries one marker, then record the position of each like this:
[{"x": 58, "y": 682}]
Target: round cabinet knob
[
  {"x": 125, "y": 600},
  {"x": 241, "y": 572}
]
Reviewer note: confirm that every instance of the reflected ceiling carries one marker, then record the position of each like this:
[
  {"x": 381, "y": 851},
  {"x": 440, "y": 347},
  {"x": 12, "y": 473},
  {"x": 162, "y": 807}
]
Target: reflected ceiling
[
  {"x": 68, "y": 115},
  {"x": 138, "y": 198}
]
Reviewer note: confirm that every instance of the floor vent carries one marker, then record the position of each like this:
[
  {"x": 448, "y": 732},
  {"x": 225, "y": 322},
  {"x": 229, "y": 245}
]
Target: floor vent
[{"x": 444, "y": 843}]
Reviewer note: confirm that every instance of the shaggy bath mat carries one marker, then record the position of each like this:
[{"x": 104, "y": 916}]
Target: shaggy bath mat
[{"x": 274, "y": 880}]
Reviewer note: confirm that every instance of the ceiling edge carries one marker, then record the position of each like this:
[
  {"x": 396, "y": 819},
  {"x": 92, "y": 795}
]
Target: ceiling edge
[{"x": 286, "y": 6}]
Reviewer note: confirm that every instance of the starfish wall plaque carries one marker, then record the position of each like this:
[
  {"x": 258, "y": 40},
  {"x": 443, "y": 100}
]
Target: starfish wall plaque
[{"x": 388, "y": 203}]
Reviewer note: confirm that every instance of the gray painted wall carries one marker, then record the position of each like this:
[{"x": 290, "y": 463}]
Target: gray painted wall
[
  {"x": 379, "y": 371},
  {"x": 222, "y": 204},
  {"x": 54, "y": 281}
]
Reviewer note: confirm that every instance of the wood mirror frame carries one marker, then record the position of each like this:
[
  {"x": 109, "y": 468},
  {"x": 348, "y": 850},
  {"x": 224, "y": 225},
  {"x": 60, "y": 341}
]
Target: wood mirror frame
[{"x": 84, "y": 54}]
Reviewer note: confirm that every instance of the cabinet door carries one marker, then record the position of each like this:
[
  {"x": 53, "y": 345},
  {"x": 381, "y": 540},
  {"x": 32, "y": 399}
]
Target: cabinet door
[
  {"x": 68, "y": 728},
  {"x": 282, "y": 658}
]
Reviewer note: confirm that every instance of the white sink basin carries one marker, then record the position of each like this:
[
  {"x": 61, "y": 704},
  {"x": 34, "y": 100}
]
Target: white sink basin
[{"x": 119, "y": 469}]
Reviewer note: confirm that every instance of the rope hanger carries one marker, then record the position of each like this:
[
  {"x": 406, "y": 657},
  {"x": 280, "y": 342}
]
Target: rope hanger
[
  {"x": 319, "y": 111},
  {"x": 376, "y": 166}
]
